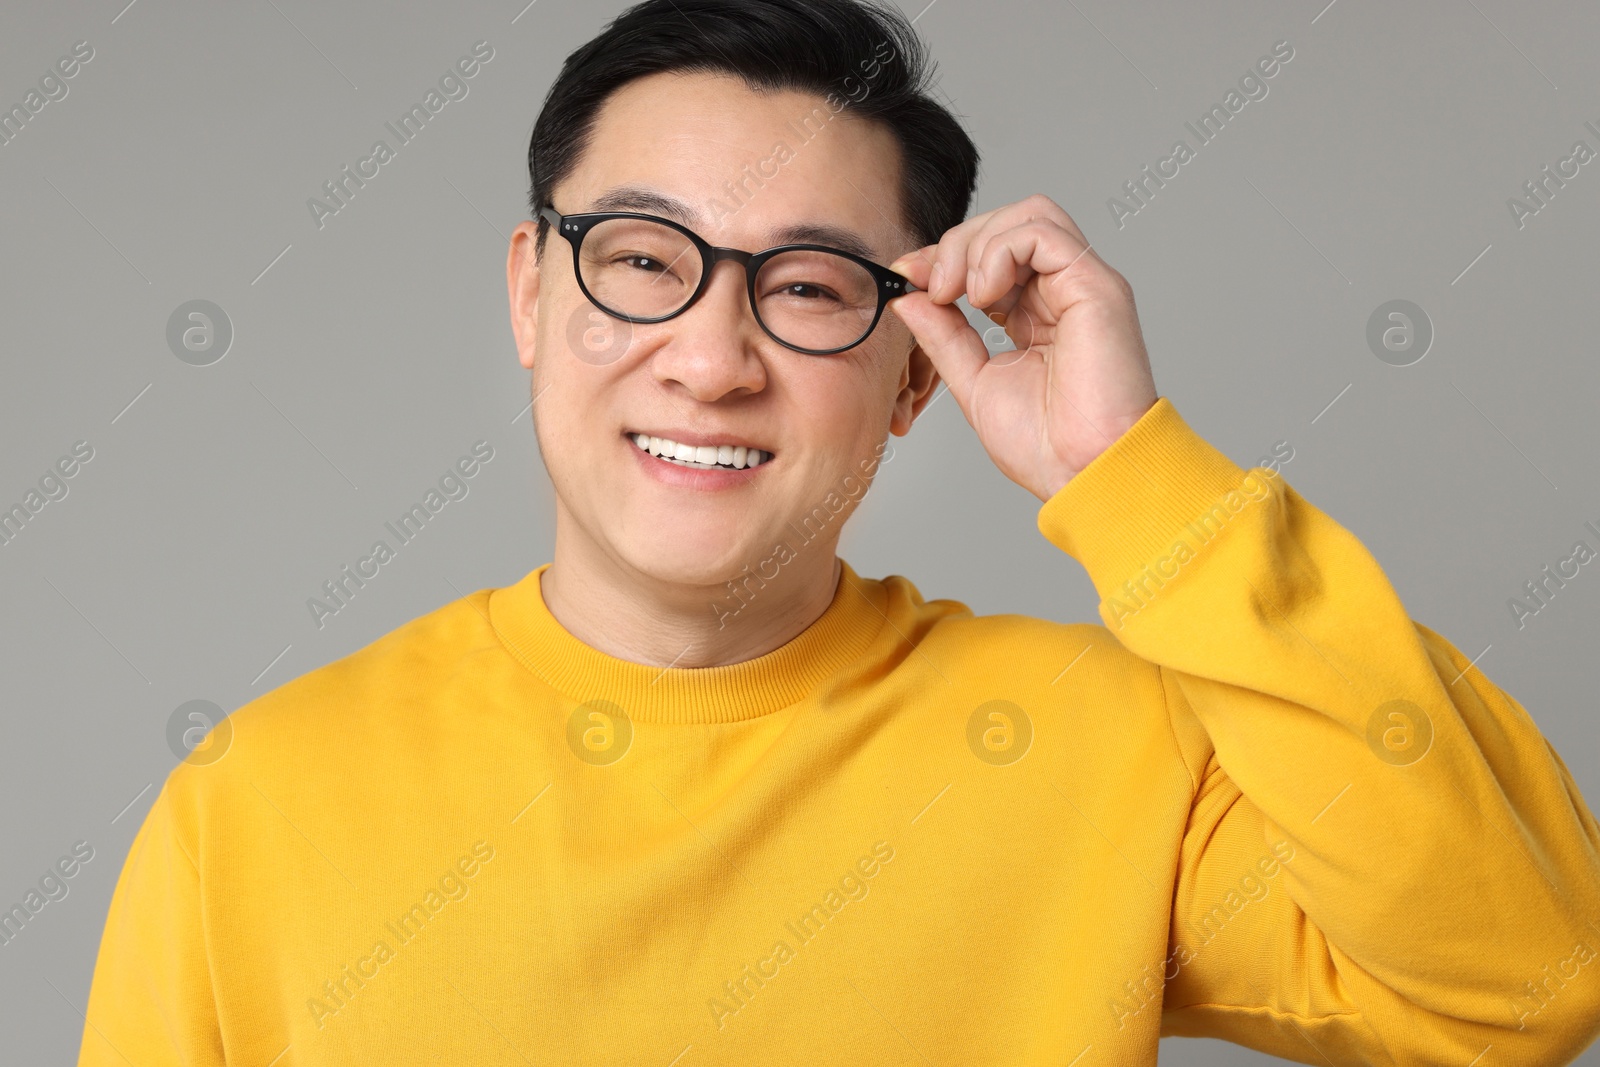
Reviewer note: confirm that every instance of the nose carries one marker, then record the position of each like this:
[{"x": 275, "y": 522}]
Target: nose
[{"x": 714, "y": 349}]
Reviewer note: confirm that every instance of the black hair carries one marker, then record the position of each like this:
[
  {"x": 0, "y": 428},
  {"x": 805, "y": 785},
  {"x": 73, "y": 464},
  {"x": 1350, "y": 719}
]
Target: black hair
[{"x": 820, "y": 47}]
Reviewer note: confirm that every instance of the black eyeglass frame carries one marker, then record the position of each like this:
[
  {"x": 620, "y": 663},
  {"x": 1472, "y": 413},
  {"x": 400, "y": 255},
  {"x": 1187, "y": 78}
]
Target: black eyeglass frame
[{"x": 576, "y": 226}]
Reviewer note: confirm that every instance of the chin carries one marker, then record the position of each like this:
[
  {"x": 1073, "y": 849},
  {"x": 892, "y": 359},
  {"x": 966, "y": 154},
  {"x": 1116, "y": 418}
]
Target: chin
[{"x": 710, "y": 564}]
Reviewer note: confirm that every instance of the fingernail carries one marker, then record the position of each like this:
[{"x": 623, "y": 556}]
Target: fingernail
[{"x": 899, "y": 266}]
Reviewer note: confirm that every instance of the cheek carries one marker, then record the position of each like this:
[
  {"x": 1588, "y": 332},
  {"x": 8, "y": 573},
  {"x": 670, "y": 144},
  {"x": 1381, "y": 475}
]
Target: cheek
[
  {"x": 849, "y": 412},
  {"x": 557, "y": 370},
  {"x": 881, "y": 380},
  {"x": 887, "y": 348}
]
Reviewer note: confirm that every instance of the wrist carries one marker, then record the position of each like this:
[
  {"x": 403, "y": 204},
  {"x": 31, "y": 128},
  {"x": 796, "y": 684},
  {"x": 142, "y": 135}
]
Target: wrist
[{"x": 1108, "y": 436}]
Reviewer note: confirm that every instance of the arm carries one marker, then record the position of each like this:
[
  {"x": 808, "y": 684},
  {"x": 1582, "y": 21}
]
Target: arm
[
  {"x": 150, "y": 1002},
  {"x": 1385, "y": 862},
  {"x": 1425, "y": 873}
]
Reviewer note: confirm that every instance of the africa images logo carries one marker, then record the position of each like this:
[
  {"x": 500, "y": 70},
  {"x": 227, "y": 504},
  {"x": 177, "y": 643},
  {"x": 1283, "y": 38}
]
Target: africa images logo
[
  {"x": 453, "y": 485},
  {"x": 341, "y": 189},
  {"x": 1252, "y": 86}
]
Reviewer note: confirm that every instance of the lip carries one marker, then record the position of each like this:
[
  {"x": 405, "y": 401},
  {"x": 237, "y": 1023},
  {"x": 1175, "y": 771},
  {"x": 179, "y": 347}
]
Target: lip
[{"x": 707, "y": 480}]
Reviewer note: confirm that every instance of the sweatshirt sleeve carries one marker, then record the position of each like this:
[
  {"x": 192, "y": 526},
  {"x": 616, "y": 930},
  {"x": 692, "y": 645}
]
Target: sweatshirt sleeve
[
  {"x": 150, "y": 1001},
  {"x": 1385, "y": 862}
]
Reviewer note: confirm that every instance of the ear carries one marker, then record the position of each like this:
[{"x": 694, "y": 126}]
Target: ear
[
  {"x": 522, "y": 285},
  {"x": 918, "y": 380}
]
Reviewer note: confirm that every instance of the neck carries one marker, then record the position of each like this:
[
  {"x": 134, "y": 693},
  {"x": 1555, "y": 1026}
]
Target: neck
[{"x": 673, "y": 624}]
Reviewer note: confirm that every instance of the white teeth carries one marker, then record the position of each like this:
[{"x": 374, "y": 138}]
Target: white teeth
[{"x": 701, "y": 456}]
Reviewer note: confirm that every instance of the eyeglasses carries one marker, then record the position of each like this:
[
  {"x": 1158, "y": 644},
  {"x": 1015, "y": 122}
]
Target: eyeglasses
[{"x": 642, "y": 268}]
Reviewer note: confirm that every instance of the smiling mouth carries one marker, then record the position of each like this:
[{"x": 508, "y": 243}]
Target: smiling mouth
[{"x": 701, "y": 457}]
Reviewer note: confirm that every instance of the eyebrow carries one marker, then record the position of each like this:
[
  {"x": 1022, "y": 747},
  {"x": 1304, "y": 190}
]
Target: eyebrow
[{"x": 634, "y": 198}]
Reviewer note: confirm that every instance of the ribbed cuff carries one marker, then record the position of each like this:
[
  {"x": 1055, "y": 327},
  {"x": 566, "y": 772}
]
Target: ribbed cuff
[{"x": 1128, "y": 506}]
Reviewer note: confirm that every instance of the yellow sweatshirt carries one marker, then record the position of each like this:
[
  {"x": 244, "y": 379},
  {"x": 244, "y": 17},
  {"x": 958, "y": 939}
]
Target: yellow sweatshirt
[{"x": 1259, "y": 803}]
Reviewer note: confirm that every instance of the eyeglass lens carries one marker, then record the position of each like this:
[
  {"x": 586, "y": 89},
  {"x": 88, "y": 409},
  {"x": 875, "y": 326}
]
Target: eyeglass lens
[{"x": 641, "y": 269}]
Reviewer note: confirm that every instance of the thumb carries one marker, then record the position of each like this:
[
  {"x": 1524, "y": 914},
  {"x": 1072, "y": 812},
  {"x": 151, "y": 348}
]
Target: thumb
[{"x": 942, "y": 331}]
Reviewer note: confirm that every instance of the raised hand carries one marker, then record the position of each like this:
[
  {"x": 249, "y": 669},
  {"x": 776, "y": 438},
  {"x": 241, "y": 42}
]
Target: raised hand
[{"x": 1080, "y": 375}]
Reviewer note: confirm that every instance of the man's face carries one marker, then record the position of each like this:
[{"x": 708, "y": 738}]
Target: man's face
[{"x": 712, "y": 372}]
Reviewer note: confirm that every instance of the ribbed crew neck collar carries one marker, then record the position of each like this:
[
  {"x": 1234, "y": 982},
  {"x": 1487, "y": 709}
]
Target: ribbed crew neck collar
[{"x": 728, "y": 693}]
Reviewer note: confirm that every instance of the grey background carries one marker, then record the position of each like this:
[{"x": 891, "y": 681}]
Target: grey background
[{"x": 368, "y": 355}]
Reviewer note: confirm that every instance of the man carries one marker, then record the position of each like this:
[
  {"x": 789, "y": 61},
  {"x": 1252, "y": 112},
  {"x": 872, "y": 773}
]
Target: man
[{"x": 696, "y": 792}]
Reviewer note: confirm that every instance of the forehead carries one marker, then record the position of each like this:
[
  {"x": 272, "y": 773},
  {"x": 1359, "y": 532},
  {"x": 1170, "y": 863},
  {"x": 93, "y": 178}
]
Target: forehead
[{"x": 742, "y": 168}]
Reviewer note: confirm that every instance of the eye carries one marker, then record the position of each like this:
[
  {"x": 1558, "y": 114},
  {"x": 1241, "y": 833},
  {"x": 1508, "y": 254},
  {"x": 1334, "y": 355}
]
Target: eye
[
  {"x": 638, "y": 258},
  {"x": 811, "y": 292}
]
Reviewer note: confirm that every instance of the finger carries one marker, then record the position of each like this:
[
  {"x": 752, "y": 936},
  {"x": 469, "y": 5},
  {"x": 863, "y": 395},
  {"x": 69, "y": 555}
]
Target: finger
[
  {"x": 916, "y": 266},
  {"x": 1037, "y": 206},
  {"x": 1025, "y": 210},
  {"x": 937, "y": 268},
  {"x": 948, "y": 278},
  {"x": 1034, "y": 208},
  {"x": 1021, "y": 325},
  {"x": 956, "y": 257},
  {"x": 1016, "y": 255},
  {"x": 950, "y": 342},
  {"x": 998, "y": 311}
]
